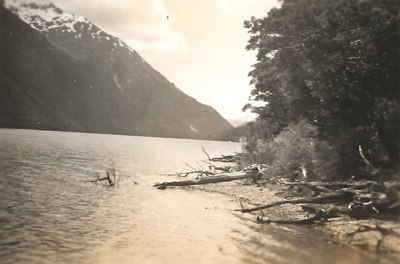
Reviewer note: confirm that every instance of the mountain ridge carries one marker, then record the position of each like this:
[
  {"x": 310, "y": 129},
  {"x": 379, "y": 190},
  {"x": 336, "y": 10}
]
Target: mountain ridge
[{"x": 98, "y": 83}]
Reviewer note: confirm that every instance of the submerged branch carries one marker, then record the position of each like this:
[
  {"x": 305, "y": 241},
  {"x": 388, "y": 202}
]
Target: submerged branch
[{"x": 107, "y": 178}]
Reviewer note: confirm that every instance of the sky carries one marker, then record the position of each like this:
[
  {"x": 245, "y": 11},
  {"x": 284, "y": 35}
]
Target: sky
[{"x": 199, "y": 45}]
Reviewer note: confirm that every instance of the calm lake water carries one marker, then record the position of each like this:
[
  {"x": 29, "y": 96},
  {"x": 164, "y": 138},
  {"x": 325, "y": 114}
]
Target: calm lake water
[{"x": 49, "y": 215}]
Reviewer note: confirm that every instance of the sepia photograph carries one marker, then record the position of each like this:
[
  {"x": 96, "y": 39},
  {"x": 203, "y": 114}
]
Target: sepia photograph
[{"x": 200, "y": 131}]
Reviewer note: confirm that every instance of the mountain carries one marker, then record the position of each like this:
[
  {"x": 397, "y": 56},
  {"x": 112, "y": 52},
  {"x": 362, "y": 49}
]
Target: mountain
[
  {"x": 235, "y": 134},
  {"x": 242, "y": 120},
  {"x": 59, "y": 71}
]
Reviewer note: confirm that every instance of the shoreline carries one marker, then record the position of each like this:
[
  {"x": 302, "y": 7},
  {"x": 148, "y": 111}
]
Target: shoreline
[{"x": 366, "y": 234}]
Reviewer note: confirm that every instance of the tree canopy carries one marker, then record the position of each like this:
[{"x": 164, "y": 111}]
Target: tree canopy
[{"x": 337, "y": 65}]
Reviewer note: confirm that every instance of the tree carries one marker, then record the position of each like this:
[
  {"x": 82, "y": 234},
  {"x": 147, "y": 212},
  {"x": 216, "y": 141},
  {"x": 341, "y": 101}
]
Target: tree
[{"x": 337, "y": 64}]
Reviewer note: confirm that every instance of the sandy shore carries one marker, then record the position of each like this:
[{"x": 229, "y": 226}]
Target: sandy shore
[
  {"x": 366, "y": 234},
  {"x": 250, "y": 195}
]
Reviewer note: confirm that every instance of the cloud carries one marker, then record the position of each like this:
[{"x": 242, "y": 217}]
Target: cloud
[
  {"x": 230, "y": 5},
  {"x": 144, "y": 25},
  {"x": 246, "y": 9},
  {"x": 156, "y": 38}
]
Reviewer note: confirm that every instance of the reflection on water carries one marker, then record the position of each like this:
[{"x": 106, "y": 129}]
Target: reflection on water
[{"x": 49, "y": 215}]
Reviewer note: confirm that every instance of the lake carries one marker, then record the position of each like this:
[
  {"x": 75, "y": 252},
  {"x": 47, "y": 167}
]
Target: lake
[{"x": 48, "y": 214}]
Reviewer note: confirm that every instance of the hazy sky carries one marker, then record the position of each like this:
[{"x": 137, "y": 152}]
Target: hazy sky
[{"x": 199, "y": 45}]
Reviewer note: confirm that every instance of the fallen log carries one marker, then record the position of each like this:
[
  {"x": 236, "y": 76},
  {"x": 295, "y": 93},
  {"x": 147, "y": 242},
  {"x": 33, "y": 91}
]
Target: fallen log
[
  {"x": 329, "y": 186},
  {"x": 342, "y": 196},
  {"x": 317, "y": 189},
  {"x": 223, "y": 177},
  {"x": 185, "y": 174},
  {"x": 306, "y": 221},
  {"x": 359, "y": 200},
  {"x": 318, "y": 215}
]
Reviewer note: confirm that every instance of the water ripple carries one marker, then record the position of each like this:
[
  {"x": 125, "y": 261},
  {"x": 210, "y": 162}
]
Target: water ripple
[{"x": 49, "y": 215}]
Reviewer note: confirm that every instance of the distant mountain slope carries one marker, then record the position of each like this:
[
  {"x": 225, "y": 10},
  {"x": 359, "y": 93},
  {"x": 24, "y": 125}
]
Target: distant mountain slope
[
  {"x": 235, "y": 134},
  {"x": 60, "y": 72},
  {"x": 249, "y": 117}
]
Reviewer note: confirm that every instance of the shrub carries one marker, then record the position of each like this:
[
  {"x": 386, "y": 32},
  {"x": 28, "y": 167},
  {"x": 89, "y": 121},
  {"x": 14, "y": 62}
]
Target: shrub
[{"x": 294, "y": 153}]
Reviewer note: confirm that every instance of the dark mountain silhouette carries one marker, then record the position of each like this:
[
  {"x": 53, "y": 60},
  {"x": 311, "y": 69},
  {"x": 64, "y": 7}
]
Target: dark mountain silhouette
[{"x": 64, "y": 73}]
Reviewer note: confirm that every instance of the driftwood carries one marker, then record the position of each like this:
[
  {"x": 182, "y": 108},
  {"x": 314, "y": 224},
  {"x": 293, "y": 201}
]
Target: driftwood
[
  {"x": 329, "y": 186},
  {"x": 355, "y": 199},
  {"x": 214, "y": 168},
  {"x": 223, "y": 177},
  {"x": 215, "y": 173},
  {"x": 224, "y": 158},
  {"x": 306, "y": 221},
  {"x": 358, "y": 200},
  {"x": 324, "y": 198},
  {"x": 187, "y": 173},
  {"x": 319, "y": 214}
]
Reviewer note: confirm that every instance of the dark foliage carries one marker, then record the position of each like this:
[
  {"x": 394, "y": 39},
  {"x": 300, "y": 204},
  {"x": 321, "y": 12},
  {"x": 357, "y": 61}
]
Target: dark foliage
[{"x": 337, "y": 65}]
